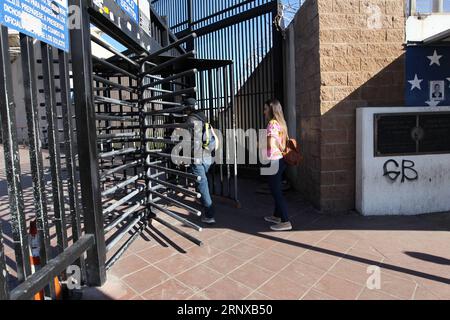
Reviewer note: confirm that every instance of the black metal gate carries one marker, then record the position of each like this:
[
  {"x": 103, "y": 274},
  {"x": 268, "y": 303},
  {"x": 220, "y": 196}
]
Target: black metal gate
[
  {"x": 110, "y": 170},
  {"x": 247, "y": 32},
  {"x": 64, "y": 215}
]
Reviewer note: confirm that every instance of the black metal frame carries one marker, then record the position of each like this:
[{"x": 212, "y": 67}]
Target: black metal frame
[
  {"x": 12, "y": 163},
  {"x": 113, "y": 165},
  {"x": 87, "y": 145},
  {"x": 4, "y": 290},
  {"x": 235, "y": 30}
]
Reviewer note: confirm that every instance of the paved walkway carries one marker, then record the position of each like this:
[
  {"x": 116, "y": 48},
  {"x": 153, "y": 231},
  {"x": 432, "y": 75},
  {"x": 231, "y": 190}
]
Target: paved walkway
[{"x": 323, "y": 258}]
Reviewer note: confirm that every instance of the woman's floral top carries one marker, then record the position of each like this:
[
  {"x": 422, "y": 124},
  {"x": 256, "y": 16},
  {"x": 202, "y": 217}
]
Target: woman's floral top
[{"x": 274, "y": 130}]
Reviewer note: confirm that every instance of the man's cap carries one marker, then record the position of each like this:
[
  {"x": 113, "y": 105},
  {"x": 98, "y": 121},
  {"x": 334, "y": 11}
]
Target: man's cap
[{"x": 190, "y": 102}]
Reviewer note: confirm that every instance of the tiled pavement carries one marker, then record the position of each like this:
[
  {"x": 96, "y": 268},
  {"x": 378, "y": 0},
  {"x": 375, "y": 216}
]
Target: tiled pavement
[{"x": 323, "y": 258}]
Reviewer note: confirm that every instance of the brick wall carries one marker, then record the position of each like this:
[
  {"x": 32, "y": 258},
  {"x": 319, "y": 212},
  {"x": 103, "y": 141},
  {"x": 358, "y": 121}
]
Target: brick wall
[
  {"x": 349, "y": 55},
  {"x": 307, "y": 98}
]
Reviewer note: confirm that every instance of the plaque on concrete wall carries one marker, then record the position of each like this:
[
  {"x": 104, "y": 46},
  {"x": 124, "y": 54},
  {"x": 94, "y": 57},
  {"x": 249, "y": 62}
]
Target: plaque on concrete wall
[
  {"x": 393, "y": 134},
  {"x": 412, "y": 134},
  {"x": 436, "y": 133}
]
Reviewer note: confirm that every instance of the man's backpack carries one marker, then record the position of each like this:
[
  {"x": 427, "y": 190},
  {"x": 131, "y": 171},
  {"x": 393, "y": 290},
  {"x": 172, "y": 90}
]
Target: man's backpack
[
  {"x": 209, "y": 138},
  {"x": 292, "y": 154}
]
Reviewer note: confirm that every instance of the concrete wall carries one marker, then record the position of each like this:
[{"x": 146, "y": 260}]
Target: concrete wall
[
  {"x": 423, "y": 27},
  {"x": 348, "y": 54},
  {"x": 377, "y": 194},
  {"x": 19, "y": 97}
]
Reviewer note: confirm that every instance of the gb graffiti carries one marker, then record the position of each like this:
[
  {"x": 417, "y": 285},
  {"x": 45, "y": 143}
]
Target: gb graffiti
[{"x": 393, "y": 171}]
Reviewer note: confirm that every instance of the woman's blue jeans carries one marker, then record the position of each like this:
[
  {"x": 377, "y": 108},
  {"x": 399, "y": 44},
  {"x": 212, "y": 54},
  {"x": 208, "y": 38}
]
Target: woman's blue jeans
[{"x": 275, "y": 185}]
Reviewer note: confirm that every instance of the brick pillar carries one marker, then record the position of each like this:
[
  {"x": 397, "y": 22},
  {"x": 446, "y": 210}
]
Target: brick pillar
[
  {"x": 307, "y": 71},
  {"x": 361, "y": 63}
]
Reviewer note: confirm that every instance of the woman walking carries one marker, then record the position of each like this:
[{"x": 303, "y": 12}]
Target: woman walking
[{"x": 277, "y": 137}]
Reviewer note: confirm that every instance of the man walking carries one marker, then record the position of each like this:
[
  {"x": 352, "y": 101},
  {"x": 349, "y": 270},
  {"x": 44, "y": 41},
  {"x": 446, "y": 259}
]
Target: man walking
[{"x": 204, "y": 144}]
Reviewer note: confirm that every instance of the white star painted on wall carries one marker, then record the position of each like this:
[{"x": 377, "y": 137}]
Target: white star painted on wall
[
  {"x": 432, "y": 103},
  {"x": 416, "y": 83},
  {"x": 435, "y": 59}
]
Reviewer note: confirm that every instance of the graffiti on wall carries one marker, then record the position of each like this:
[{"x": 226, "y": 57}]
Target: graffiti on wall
[{"x": 393, "y": 171}]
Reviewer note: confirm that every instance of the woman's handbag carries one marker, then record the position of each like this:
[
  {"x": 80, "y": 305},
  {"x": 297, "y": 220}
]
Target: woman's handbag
[{"x": 292, "y": 154}]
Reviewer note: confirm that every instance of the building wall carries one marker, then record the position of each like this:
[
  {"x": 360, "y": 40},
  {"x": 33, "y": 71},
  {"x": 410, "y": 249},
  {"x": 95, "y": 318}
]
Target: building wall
[
  {"x": 349, "y": 54},
  {"x": 19, "y": 94},
  {"x": 422, "y": 183},
  {"x": 307, "y": 98},
  {"x": 19, "y": 99}
]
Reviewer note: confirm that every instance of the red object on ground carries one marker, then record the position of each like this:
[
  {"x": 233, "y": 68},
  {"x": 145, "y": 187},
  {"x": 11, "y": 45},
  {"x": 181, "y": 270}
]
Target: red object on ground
[{"x": 35, "y": 261}]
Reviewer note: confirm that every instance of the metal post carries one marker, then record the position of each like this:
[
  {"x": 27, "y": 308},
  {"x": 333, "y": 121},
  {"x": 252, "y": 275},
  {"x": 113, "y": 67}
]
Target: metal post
[
  {"x": 234, "y": 127},
  {"x": 34, "y": 134},
  {"x": 165, "y": 33},
  {"x": 412, "y": 7},
  {"x": 4, "y": 292},
  {"x": 87, "y": 145},
  {"x": 189, "y": 8},
  {"x": 54, "y": 146},
  {"x": 438, "y": 6},
  {"x": 69, "y": 143},
  {"x": 277, "y": 48},
  {"x": 190, "y": 45}
]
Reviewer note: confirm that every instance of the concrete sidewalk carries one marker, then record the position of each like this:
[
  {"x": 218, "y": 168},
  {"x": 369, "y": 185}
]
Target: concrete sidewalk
[{"x": 323, "y": 258}]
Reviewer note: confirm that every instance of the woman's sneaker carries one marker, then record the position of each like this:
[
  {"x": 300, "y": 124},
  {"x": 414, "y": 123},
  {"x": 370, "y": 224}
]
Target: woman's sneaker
[
  {"x": 273, "y": 219},
  {"x": 284, "y": 226}
]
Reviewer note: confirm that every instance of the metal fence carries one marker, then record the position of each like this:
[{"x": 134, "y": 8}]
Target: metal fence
[
  {"x": 247, "y": 32},
  {"x": 54, "y": 81},
  {"x": 112, "y": 172},
  {"x": 415, "y": 7}
]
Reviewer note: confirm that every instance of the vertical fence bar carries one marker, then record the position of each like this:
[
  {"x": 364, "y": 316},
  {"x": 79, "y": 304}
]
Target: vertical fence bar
[
  {"x": 190, "y": 45},
  {"x": 412, "y": 7},
  {"x": 143, "y": 135},
  {"x": 12, "y": 162},
  {"x": 438, "y": 6},
  {"x": 277, "y": 49},
  {"x": 87, "y": 145},
  {"x": 225, "y": 127},
  {"x": 54, "y": 146},
  {"x": 69, "y": 149},
  {"x": 35, "y": 144},
  {"x": 4, "y": 292},
  {"x": 233, "y": 115}
]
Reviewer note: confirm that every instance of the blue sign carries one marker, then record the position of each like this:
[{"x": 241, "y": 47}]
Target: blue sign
[
  {"x": 45, "y": 20},
  {"x": 131, "y": 8},
  {"x": 428, "y": 76}
]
